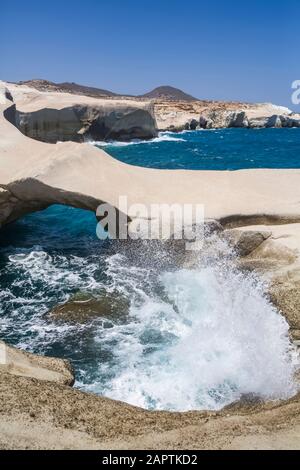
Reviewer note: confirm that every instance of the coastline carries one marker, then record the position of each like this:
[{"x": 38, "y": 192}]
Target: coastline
[
  {"x": 45, "y": 415},
  {"x": 35, "y": 175}
]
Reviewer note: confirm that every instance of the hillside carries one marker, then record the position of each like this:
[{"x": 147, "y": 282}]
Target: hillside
[
  {"x": 163, "y": 92},
  {"x": 168, "y": 93},
  {"x": 67, "y": 87}
]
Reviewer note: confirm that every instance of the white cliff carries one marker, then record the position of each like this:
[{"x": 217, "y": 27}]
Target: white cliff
[{"x": 34, "y": 175}]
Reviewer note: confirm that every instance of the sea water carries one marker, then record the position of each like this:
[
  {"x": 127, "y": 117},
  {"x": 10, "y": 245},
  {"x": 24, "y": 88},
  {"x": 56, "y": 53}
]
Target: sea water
[
  {"x": 216, "y": 149},
  {"x": 180, "y": 338}
]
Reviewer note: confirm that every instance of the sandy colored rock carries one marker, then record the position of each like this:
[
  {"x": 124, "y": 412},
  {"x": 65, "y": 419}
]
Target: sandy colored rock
[
  {"x": 21, "y": 363},
  {"x": 57, "y": 116},
  {"x": 178, "y": 116},
  {"x": 296, "y": 335},
  {"x": 261, "y": 115},
  {"x": 40, "y": 415},
  {"x": 285, "y": 294}
]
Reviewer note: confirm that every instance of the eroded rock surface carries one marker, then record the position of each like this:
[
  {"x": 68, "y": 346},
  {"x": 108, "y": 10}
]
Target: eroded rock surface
[
  {"x": 52, "y": 116},
  {"x": 45, "y": 415},
  {"x": 34, "y": 175},
  {"x": 20, "y": 363},
  {"x": 180, "y": 116},
  {"x": 52, "y": 113},
  {"x": 79, "y": 122}
]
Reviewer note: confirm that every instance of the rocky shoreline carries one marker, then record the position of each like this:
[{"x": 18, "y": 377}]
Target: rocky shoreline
[
  {"x": 34, "y": 175},
  {"x": 181, "y": 116},
  {"x": 38, "y": 409},
  {"x": 52, "y": 114},
  {"x": 45, "y": 415},
  {"x": 41, "y": 411}
]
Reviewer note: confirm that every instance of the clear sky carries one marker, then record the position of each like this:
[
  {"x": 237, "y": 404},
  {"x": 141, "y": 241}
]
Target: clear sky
[{"x": 229, "y": 49}]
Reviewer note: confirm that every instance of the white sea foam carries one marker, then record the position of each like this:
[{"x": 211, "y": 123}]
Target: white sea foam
[
  {"x": 162, "y": 137},
  {"x": 193, "y": 339},
  {"x": 41, "y": 280},
  {"x": 212, "y": 339}
]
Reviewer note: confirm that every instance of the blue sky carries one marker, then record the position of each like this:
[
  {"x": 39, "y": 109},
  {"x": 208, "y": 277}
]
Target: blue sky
[{"x": 215, "y": 50}]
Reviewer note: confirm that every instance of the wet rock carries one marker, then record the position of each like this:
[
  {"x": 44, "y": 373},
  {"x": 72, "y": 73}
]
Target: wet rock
[
  {"x": 212, "y": 226},
  {"x": 83, "y": 307},
  {"x": 203, "y": 122},
  {"x": 21, "y": 363},
  {"x": 193, "y": 124},
  {"x": 245, "y": 242},
  {"x": 248, "y": 402},
  {"x": 274, "y": 121}
]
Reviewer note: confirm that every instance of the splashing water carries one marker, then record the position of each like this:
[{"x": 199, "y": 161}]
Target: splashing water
[
  {"x": 213, "y": 338},
  {"x": 195, "y": 338}
]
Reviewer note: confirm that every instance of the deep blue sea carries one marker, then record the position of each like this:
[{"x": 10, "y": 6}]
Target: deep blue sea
[
  {"x": 220, "y": 149},
  {"x": 156, "y": 335}
]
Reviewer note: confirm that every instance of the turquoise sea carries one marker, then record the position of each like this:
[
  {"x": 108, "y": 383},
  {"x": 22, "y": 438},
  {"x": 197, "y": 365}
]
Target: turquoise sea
[
  {"x": 159, "y": 336},
  {"x": 220, "y": 149}
]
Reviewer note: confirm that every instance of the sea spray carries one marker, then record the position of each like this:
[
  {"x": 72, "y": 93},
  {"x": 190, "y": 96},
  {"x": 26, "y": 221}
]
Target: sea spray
[
  {"x": 214, "y": 338},
  {"x": 199, "y": 333}
]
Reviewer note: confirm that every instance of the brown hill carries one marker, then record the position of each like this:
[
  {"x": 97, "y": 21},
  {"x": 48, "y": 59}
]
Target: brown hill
[
  {"x": 66, "y": 87},
  {"x": 168, "y": 93}
]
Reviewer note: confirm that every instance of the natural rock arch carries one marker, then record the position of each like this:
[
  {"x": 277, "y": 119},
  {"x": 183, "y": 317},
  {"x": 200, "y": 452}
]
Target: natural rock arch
[{"x": 34, "y": 175}]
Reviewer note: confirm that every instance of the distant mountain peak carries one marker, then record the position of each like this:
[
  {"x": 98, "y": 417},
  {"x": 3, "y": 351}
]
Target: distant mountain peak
[
  {"x": 164, "y": 92},
  {"x": 168, "y": 93}
]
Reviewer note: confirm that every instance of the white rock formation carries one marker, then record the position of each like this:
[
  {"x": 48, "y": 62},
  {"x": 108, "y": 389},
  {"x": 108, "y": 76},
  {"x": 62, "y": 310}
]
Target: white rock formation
[
  {"x": 34, "y": 175},
  {"x": 54, "y": 116},
  {"x": 252, "y": 116}
]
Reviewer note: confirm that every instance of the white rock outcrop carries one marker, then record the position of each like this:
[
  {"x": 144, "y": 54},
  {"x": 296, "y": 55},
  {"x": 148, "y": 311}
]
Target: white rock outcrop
[
  {"x": 54, "y": 116},
  {"x": 254, "y": 116},
  {"x": 34, "y": 175}
]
